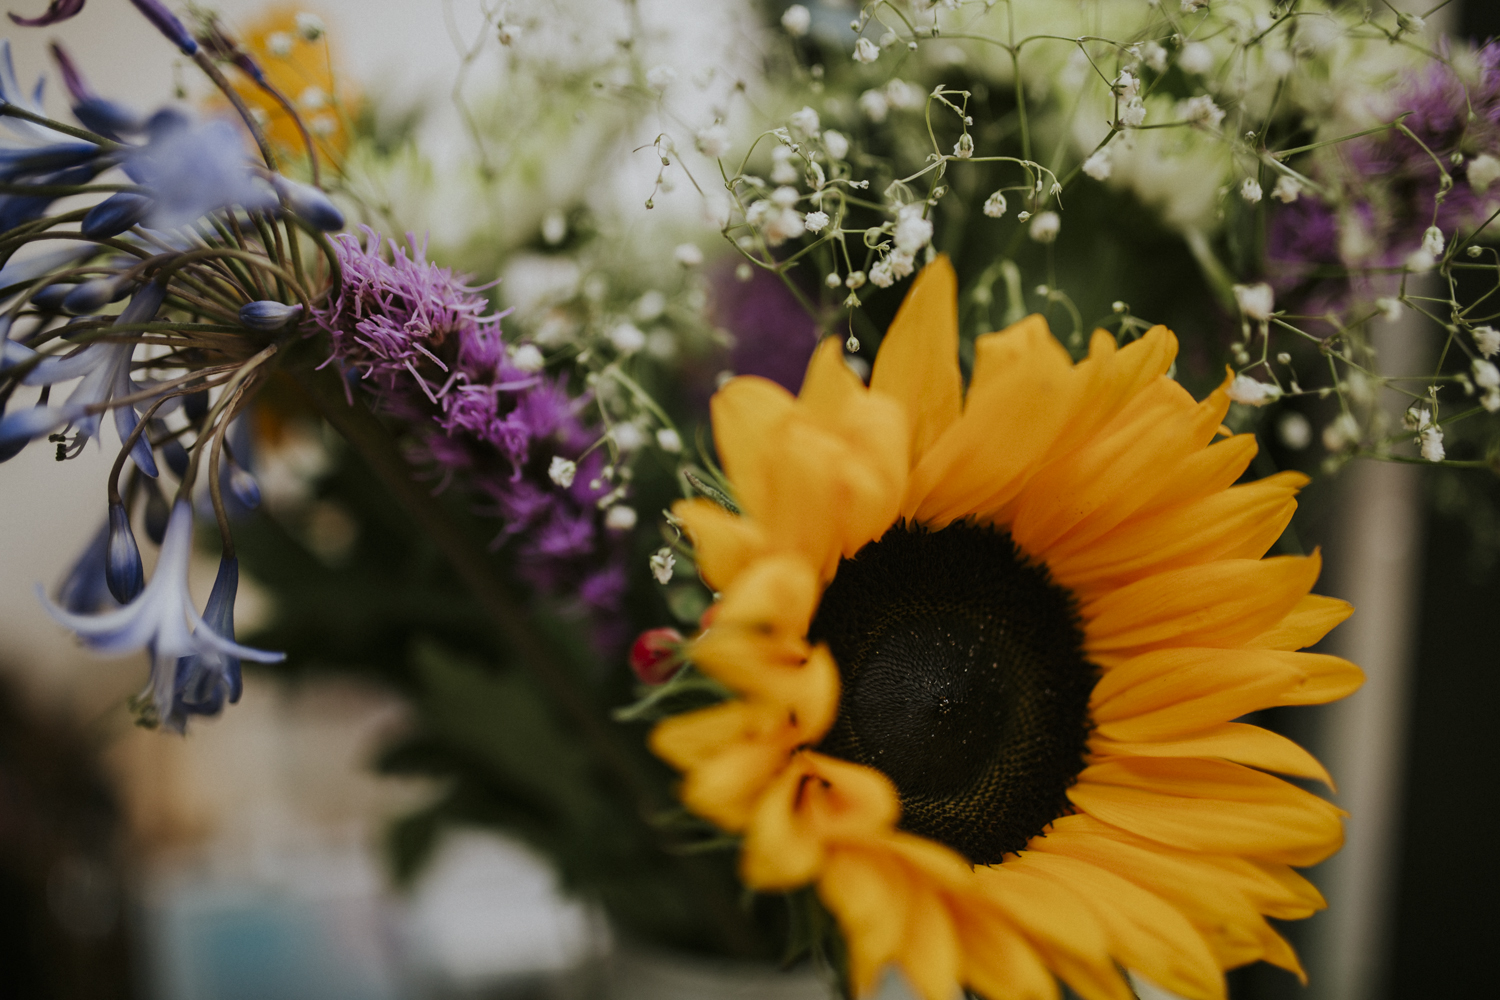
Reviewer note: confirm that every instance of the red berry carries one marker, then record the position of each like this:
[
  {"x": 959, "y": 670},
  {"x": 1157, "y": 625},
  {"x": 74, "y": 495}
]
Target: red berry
[{"x": 654, "y": 655}]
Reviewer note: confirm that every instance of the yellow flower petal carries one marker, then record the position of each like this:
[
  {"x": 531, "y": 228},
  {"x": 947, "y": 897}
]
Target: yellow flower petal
[
  {"x": 815, "y": 801},
  {"x": 1146, "y": 933},
  {"x": 1234, "y": 741},
  {"x": 723, "y": 543},
  {"x": 918, "y": 360},
  {"x": 1223, "y": 603},
  {"x": 1024, "y": 383},
  {"x": 1214, "y": 806}
]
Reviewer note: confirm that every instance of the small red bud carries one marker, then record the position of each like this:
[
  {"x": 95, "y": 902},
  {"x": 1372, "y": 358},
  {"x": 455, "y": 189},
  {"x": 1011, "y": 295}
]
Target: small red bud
[{"x": 654, "y": 657}]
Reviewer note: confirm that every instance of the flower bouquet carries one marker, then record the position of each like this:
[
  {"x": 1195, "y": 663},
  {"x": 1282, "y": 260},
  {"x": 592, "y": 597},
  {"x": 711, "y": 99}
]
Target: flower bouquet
[{"x": 834, "y": 502}]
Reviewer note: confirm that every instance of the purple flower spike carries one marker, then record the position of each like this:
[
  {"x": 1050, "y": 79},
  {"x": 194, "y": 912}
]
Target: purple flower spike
[
  {"x": 419, "y": 338},
  {"x": 166, "y": 22},
  {"x": 57, "y": 10}
]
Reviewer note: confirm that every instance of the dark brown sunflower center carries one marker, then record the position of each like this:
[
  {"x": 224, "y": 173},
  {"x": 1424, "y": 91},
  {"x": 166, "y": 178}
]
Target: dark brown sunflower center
[{"x": 964, "y": 681}]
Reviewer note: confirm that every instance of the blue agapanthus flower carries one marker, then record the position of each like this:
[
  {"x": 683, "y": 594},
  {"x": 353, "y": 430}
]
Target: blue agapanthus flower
[
  {"x": 194, "y": 658},
  {"x": 105, "y": 372}
]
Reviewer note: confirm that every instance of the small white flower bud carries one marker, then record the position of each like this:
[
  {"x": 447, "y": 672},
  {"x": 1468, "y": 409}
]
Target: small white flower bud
[
  {"x": 1390, "y": 308},
  {"x": 1250, "y": 190},
  {"x": 815, "y": 221},
  {"x": 669, "y": 440},
  {"x": 627, "y": 338},
  {"x": 806, "y": 121},
  {"x": 1045, "y": 227},
  {"x": 1431, "y": 440},
  {"x": 1486, "y": 375},
  {"x": 1294, "y": 430},
  {"x": 1432, "y": 241},
  {"x": 796, "y": 19},
  {"x": 662, "y": 563},
  {"x": 620, "y": 518},
  {"x": 528, "y": 358},
  {"x": 875, "y": 106},
  {"x": 1487, "y": 339},
  {"x": 836, "y": 144},
  {"x": 1249, "y": 392},
  {"x": 1484, "y": 170},
  {"x": 994, "y": 205},
  {"x": 1133, "y": 114},
  {"x": 1286, "y": 190},
  {"x": 855, "y": 280},
  {"x": 865, "y": 51},
  {"x": 562, "y": 471},
  {"x": 785, "y": 196},
  {"x": 1196, "y": 58},
  {"x": 1098, "y": 165},
  {"x": 688, "y": 255},
  {"x": 964, "y": 148},
  {"x": 280, "y": 44},
  {"x": 310, "y": 26},
  {"x": 713, "y": 141},
  {"x": 1256, "y": 301}
]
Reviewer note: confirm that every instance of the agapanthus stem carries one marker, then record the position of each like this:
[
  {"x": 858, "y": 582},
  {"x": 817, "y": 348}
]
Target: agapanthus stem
[{"x": 358, "y": 426}]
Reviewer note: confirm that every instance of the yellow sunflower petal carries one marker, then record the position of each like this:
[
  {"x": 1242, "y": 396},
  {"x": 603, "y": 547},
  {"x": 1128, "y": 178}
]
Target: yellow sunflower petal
[
  {"x": 723, "y": 543},
  {"x": 929, "y": 954},
  {"x": 1222, "y": 896},
  {"x": 1235, "y": 741},
  {"x": 1207, "y": 805},
  {"x": 762, "y": 621},
  {"x": 1308, "y": 622},
  {"x": 1095, "y": 487},
  {"x": 1222, "y": 603},
  {"x": 1146, "y": 933},
  {"x": 815, "y": 801},
  {"x": 1168, "y": 693},
  {"x": 746, "y": 412},
  {"x": 1238, "y": 523},
  {"x": 999, "y": 963},
  {"x": 1058, "y": 924},
  {"x": 869, "y": 893},
  {"x": 1113, "y": 377},
  {"x": 1024, "y": 383},
  {"x": 918, "y": 360}
]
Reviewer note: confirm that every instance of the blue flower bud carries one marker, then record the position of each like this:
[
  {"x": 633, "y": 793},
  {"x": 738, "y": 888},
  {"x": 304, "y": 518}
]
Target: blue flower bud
[
  {"x": 166, "y": 22},
  {"x": 246, "y": 490},
  {"x": 315, "y": 207},
  {"x": 171, "y": 449},
  {"x": 84, "y": 591},
  {"x": 195, "y": 405},
  {"x": 50, "y": 299},
  {"x": 91, "y": 296},
  {"x": 267, "y": 315},
  {"x": 115, "y": 214},
  {"x": 158, "y": 512},
  {"x": 122, "y": 567},
  {"x": 109, "y": 118}
]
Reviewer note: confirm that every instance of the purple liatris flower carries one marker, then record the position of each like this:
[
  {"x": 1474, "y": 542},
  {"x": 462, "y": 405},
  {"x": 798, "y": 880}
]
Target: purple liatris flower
[
  {"x": 163, "y": 620},
  {"x": 1384, "y": 189},
  {"x": 421, "y": 340}
]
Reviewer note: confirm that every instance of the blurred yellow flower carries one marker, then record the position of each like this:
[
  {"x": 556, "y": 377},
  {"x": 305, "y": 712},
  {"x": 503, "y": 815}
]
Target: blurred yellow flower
[{"x": 294, "y": 52}]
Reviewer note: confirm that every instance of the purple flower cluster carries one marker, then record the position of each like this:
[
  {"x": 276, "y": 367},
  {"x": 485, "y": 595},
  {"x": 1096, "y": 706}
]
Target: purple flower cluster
[
  {"x": 418, "y": 337},
  {"x": 1385, "y": 186}
]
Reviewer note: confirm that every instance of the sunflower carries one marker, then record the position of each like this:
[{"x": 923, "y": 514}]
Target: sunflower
[{"x": 986, "y": 650}]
